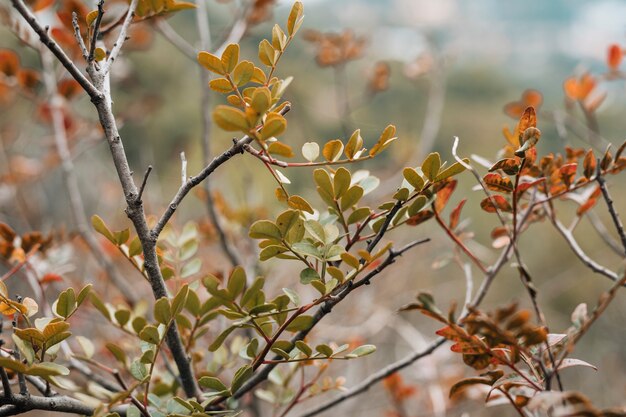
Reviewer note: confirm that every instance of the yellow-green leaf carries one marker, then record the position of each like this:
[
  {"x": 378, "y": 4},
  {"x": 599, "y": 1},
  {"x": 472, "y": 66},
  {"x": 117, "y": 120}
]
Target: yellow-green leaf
[
  {"x": 299, "y": 203},
  {"x": 243, "y": 72},
  {"x": 221, "y": 85},
  {"x": 230, "y": 57},
  {"x": 264, "y": 229},
  {"x": 100, "y": 227},
  {"x": 417, "y": 205},
  {"x": 230, "y": 119},
  {"x": 452, "y": 170},
  {"x": 431, "y": 166},
  {"x": 258, "y": 76},
  {"x": 295, "y": 18},
  {"x": 413, "y": 178},
  {"x": 261, "y": 100},
  {"x": 279, "y": 148},
  {"x": 211, "y": 62},
  {"x": 351, "y": 197},
  {"x": 341, "y": 181},
  {"x": 274, "y": 125},
  {"x": 267, "y": 53},
  {"x": 354, "y": 145}
]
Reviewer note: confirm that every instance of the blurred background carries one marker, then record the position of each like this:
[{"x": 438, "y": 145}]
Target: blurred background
[{"x": 435, "y": 69}]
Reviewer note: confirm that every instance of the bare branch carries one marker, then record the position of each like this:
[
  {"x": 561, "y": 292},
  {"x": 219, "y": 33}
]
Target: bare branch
[
  {"x": 166, "y": 30},
  {"x": 70, "y": 181},
  {"x": 144, "y": 182},
  {"x": 20, "y": 403},
  {"x": 609, "y": 202},
  {"x": 79, "y": 38},
  {"x": 374, "y": 378},
  {"x": 573, "y": 244},
  {"x": 236, "y": 148},
  {"x": 117, "y": 46}
]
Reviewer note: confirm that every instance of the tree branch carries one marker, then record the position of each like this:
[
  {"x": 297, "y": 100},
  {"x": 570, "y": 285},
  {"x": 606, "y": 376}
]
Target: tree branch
[
  {"x": 19, "y": 403},
  {"x": 236, "y": 148},
  {"x": 609, "y": 202}
]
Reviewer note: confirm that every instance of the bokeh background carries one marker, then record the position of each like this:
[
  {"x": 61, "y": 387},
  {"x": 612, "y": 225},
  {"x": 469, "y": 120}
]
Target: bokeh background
[{"x": 453, "y": 65}]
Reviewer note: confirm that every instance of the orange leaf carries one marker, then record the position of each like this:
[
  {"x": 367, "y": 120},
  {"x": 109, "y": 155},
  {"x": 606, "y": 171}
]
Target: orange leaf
[
  {"x": 443, "y": 195},
  {"x": 528, "y": 119},
  {"x": 9, "y": 62},
  {"x": 497, "y": 182},
  {"x": 490, "y": 204},
  {"x": 456, "y": 214},
  {"x": 420, "y": 217},
  {"x": 614, "y": 57}
]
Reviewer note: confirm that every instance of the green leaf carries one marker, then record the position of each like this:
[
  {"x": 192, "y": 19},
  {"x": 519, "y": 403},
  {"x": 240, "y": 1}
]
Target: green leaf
[
  {"x": 358, "y": 215},
  {"x": 271, "y": 251},
  {"x": 230, "y": 119},
  {"x": 230, "y": 57},
  {"x": 211, "y": 62},
  {"x": 341, "y": 181},
  {"x": 431, "y": 166},
  {"x": 334, "y": 253},
  {"x": 316, "y": 230},
  {"x": 307, "y": 249},
  {"x": 162, "y": 311},
  {"x": 362, "y": 351},
  {"x": 351, "y": 197},
  {"x": 150, "y": 334},
  {"x": 286, "y": 220},
  {"x": 307, "y": 275},
  {"x": 220, "y": 339},
  {"x": 304, "y": 348},
  {"x": 324, "y": 350},
  {"x": 180, "y": 300},
  {"x": 122, "y": 316},
  {"x": 66, "y": 303},
  {"x": 192, "y": 267},
  {"x": 135, "y": 247},
  {"x": 45, "y": 369},
  {"x": 138, "y": 370},
  {"x": 323, "y": 181},
  {"x": 82, "y": 294},
  {"x": 417, "y": 204},
  {"x": 237, "y": 282},
  {"x": 100, "y": 227},
  {"x": 413, "y": 178},
  {"x": 252, "y": 291},
  {"x": 302, "y": 322},
  {"x": 241, "y": 376},
  {"x": 264, "y": 229},
  {"x": 212, "y": 383}
]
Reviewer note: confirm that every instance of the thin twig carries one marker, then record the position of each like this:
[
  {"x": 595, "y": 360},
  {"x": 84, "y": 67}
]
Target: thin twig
[
  {"x": 609, "y": 202},
  {"x": 96, "y": 31},
  {"x": 79, "y": 38},
  {"x": 117, "y": 46},
  {"x": 236, "y": 148},
  {"x": 144, "y": 182}
]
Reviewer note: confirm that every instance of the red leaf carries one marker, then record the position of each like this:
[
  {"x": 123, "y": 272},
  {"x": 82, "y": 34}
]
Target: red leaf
[
  {"x": 614, "y": 57},
  {"x": 456, "y": 213},
  {"x": 51, "y": 278},
  {"x": 443, "y": 195}
]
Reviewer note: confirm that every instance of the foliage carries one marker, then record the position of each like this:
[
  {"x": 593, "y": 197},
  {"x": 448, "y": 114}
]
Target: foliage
[{"x": 207, "y": 339}]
